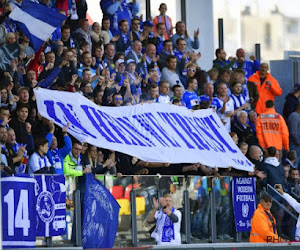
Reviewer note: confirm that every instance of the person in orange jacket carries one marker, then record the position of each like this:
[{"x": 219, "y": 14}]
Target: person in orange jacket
[
  {"x": 267, "y": 87},
  {"x": 271, "y": 129},
  {"x": 263, "y": 224}
]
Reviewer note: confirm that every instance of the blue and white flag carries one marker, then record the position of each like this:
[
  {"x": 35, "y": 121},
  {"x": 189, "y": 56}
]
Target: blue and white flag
[
  {"x": 100, "y": 215},
  {"x": 50, "y": 205},
  {"x": 244, "y": 202},
  {"x": 36, "y": 21},
  {"x": 18, "y": 212}
]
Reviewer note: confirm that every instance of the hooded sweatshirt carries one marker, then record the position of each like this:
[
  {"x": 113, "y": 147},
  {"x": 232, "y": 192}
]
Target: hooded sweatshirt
[{"x": 274, "y": 171}]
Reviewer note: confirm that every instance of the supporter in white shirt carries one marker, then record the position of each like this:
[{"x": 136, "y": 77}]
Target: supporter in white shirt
[
  {"x": 168, "y": 220},
  {"x": 164, "y": 89},
  {"x": 39, "y": 162},
  {"x": 225, "y": 106}
]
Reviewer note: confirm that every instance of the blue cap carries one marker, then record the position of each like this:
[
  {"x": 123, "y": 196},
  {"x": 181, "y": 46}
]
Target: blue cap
[
  {"x": 296, "y": 87},
  {"x": 148, "y": 23}
]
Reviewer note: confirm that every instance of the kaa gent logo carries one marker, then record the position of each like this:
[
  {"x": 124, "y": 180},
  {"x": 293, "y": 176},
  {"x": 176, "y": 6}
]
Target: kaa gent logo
[{"x": 45, "y": 206}]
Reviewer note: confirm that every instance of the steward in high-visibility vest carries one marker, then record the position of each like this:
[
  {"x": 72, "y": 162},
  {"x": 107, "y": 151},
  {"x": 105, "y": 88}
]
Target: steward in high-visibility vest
[
  {"x": 263, "y": 224},
  {"x": 266, "y": 85},
  {"x": 271, "y": 129}
]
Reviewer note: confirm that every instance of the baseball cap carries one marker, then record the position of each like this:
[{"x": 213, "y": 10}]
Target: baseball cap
[
  {"x": 148, "y": 23},
  {"x": 296, "y": 87},
  {"x": 120, "y": 61},
  {"x": 130, "y": 61}
]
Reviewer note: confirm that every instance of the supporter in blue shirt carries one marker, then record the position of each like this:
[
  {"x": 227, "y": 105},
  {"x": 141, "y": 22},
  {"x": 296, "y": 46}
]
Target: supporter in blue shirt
[
  {"x": 118, "y": 10},
  {"x": 250, "y": 67},
  {"x": 123, "y": 42},
  {"x": 189, "y": 97},
  {"x": 56, "y": 155},
  {"x": 208, "y": 97},
  {"x": 239, "y": 100}
]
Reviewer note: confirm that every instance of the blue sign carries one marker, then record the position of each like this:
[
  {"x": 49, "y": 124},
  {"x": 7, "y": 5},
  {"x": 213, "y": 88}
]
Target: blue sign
[
  {"x": 100, "y": 215},
  {"x": 244, "y": 202},
  {"x": 18, "y": 212},
  {"x": 50, "y": 205}
]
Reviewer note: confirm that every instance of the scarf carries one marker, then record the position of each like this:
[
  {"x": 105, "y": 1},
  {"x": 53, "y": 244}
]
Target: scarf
[
  {"x": 77, "y": 161},
  {"x": 179, "y": 55},
  {"x": 55, "y": 159},
  {"x": 168, "y": 229},
  {"x": 21, "y": 168},
  {"x": 167, "y": 23}
]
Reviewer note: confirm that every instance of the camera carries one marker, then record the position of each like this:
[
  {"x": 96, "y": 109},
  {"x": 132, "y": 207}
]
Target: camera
[{"x": 277, "y": 186}]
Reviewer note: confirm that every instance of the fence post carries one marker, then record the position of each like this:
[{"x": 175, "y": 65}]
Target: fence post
[
  {"x": 133, "y": 218},
  {"x": 257, "y": 51},
  {"x": 77, "y": 215},
  {"x": 213, "y": 222},
  {"x": 187, "y": 216},
  {"x": 221, "y": 33}
]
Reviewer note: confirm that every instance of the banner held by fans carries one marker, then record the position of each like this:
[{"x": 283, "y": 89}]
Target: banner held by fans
[
  {"x": 100, "y": 215},
  {"x": 244, "y": 202},
  {"x": 50, "y": 205},
  {"x": 18, "y": 212},
  {"x": 151, "y": 132}
]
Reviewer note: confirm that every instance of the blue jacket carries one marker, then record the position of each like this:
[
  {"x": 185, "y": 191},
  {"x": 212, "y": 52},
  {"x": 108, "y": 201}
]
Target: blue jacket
[
  {"x": 118, "y": 11},
  {"x": 57, "y": 156}
]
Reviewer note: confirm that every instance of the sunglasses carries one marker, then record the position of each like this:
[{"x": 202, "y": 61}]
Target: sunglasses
[
  {"x": 192, "y": 70},
  {"x": 118, "y": 98}
]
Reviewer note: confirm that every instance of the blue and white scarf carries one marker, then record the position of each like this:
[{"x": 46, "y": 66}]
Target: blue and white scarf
[
  {"x": 167, "y": 23},
  {"x": 168, "y": 229},
  {"x": 56, "y": 159}
]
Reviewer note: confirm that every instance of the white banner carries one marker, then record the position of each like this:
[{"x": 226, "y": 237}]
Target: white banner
[{"x": 151, "y": 132}]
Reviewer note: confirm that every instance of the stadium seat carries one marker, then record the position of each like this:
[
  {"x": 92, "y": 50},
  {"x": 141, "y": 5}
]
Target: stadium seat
[
  {"x": 124, "y": 206},
  {"x": 128, "y": 189},
  {"x": 117, "y": 192},
  {"x": 140, "y": 205}
]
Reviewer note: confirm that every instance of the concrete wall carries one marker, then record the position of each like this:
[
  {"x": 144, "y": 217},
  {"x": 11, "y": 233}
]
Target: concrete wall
[
  {"x": 283, "y": 72},
  {"x": 200, "y": 15}
]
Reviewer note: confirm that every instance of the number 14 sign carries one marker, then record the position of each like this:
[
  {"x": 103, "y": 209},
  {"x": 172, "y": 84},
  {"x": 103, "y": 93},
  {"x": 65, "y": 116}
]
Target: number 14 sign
[{"x": 18, "y": 212}]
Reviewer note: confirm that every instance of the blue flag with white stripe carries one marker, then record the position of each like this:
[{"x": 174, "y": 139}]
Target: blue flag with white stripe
[
  {"x": 100, "y": 215},
  {"x": 50, "y": 205},
  {"x": 18, "y": 212},
  {"x": 36, "y": 21}
]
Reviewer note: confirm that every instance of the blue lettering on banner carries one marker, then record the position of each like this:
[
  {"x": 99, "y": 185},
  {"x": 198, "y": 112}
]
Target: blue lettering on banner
[
  {"x": 168, "y": 119},
  {"x": 51, "y": 111},
  {"x": 209, "y": 123},
  {"x": 119, "y": 130},
  {"x": 187, "y": 129},
  {"x": 244, "y": 202},
  {"x": 204, "y": 131},
  {"x": 109, "y": 136},
  {"x": 127, "y": 125},
  {"x": 142, "y": 121},
  {"x": 75, "y": 125},
  {"x": 155, "y": 123},
  {"x": 74, "y": 121}
]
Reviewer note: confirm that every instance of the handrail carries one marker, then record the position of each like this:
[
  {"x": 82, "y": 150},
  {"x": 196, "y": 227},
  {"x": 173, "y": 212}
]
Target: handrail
[{"x": 278, "y": 203}]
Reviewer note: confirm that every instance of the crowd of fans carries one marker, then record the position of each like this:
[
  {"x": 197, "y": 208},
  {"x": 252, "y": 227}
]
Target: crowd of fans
[{"x": 126, "y": 61}]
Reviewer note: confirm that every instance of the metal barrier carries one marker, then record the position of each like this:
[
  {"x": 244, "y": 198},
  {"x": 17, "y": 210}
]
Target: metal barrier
[{"x": 205, "y": 204}]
